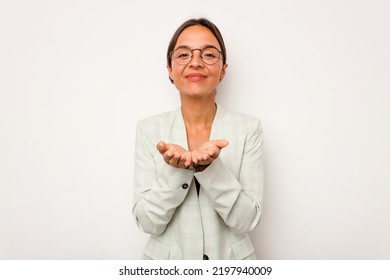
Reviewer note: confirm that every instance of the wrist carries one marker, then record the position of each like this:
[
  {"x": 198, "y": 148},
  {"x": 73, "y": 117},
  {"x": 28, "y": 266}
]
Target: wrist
[{"x": 200, "y": 168}]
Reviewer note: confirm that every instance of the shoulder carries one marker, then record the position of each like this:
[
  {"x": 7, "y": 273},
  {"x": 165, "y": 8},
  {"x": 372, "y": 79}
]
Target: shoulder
[
  {"x": 157, "y": 127},
  {"x": 239, "y": 120},
  {"x": 158, "y": 120}
]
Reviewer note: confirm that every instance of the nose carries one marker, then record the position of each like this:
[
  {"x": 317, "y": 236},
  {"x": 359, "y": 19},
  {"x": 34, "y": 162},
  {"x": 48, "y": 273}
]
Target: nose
[{"x": 196, "y": 59}]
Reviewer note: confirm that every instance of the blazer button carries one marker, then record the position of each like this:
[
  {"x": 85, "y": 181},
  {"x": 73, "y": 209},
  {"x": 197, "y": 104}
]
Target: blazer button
[
  {"x": 205, "y": 257},
  {"x": 184, "y": 186}
]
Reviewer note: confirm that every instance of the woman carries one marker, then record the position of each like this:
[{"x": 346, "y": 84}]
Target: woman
[{"x": 198, "y": 170}]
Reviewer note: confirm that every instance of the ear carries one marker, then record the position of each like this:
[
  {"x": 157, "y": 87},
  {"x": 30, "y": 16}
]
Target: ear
[
  {"x": 223, "y": 72},
  {"x": 170, "y": 73}
]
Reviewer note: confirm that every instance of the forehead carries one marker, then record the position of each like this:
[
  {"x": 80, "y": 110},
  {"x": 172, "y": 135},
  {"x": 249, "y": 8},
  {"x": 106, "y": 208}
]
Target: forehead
[{"x": 196, "y": 36}]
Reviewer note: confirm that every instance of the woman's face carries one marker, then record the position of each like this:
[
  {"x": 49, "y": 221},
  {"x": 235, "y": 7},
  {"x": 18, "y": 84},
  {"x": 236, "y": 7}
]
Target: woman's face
[{"x": 196, "y": 78}]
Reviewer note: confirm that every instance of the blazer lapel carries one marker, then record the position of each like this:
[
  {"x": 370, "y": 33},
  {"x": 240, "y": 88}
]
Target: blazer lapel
[
  {"x": 178, "y": 131},
  {"x": 216, "y": 132}
]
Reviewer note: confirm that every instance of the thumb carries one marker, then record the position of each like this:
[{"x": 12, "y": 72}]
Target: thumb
[
  {"x": 161, "y": 147},
  {"x": 221, "y": 143}
]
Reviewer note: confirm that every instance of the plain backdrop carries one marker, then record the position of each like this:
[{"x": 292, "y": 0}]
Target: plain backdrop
[{"x": 76, "y": 75}]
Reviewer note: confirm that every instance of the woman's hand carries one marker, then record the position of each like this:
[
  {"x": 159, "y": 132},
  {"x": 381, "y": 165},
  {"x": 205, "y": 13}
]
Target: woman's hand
[
  {"x": 179, "y": 157},
  {"x": 208, "y": 152},
  {"x": 175, "y": 155}
]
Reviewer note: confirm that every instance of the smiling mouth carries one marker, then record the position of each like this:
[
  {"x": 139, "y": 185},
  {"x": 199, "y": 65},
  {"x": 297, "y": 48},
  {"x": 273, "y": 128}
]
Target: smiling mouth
[{"x": 196, "y": 77}]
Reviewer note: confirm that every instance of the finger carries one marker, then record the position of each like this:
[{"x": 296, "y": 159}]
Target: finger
[
  {"x": 189, "y": 159},
  {"x": 186, "y": 158},
  {"x": 174, "y": 161},
  {"x": 221, "y": 143},
  {"x": 212, "y": 152},
  {"x": 161, "y": 147},
  {"x": 167, "y": 158},
  {"x": 179, "y": 161},
  {"x": 182, "y": 163},
  {"x": 199, "y": 157},
  {"x": 176, "y": 155},
  {"x": 196, "y": 160}
]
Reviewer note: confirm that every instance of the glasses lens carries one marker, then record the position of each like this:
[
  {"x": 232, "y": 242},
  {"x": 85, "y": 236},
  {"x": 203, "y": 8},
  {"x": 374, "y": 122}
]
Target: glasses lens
[
  {"x": 182, "y": 55},
  {"x": 210, "y": 55}
]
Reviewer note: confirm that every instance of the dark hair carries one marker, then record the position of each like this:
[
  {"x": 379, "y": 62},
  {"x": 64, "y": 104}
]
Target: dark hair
[{"x": 192, "y": 22}]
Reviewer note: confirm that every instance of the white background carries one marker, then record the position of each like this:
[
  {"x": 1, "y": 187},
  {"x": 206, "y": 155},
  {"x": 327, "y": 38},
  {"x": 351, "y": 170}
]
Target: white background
[{"x": 76, "y": 75}]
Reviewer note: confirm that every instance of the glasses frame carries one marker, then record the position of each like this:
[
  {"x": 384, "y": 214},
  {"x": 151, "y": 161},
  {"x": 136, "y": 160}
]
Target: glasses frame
[{"x": 192, "y": 54}]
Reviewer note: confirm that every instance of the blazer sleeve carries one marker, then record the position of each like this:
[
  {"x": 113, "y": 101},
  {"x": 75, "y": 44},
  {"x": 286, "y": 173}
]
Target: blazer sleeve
[
  {"x": 157, "y": 191},
  {"x": 238, "y": 201}
]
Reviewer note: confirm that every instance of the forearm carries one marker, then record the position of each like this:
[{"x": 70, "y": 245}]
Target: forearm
[
  {"x": 239, "y": 204},
  {"x": 157, "y": 200}
]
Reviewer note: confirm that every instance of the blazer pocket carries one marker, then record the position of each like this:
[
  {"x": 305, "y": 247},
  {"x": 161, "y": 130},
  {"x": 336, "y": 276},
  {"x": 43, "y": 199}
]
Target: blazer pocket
[
  {"x": 155, "y": 250},
  {"x": 243, "y": 249}
]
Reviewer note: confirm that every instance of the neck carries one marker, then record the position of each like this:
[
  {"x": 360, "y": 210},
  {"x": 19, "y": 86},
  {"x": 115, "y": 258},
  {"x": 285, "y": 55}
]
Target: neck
[{"x": 198, "y": 111}]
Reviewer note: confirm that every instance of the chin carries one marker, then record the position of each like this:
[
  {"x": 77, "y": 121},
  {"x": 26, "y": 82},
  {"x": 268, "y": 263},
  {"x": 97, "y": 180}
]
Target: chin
[{"x": 197, "y": 94}]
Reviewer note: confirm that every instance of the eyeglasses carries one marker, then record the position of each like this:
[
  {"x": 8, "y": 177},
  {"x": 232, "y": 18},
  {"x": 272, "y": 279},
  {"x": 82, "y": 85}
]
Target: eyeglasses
[{"x": 183, "y": 55}]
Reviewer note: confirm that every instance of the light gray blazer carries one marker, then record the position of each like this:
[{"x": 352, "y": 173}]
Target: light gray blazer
[{"x": 216, "y": 223}]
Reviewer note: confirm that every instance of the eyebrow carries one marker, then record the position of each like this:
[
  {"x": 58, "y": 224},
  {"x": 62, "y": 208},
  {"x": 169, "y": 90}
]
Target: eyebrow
[{"x": 202, "y": 47}]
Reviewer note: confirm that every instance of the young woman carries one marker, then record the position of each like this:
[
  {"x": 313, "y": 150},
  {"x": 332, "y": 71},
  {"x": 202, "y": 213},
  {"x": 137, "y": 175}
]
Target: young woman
[{"x": 198, "y": 181}]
